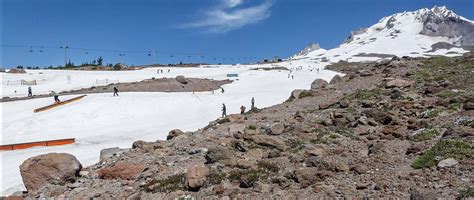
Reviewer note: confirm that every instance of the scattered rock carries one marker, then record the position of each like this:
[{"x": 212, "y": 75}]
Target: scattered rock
[
  {"x": 336, "y": 80},
  {"x": 277, "y": 129},
  {"x": 54, "y": 168},
  {"x": 449, "y": 162},
  {"x": 399, "y": 83},
  {"x": 121, "y": 170},
  {"x": 109, "y": 153},
  {"x": 318, "y": 84},
  {"x": 181, "y": 79},
  {"x": 174, "y": 133},
  {"x": 196, "y": 176},
  {"x": 220, "y": 154}
]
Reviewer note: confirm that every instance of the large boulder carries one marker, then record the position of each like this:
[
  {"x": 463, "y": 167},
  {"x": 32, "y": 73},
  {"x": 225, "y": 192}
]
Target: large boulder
[
  {"x": 174, "y": 133},
  {"x": 109, "y": 153},
  {"x": 17, "y": 71},
  {"x": 336, "y": 79},
  {"x": 220, "y": 154},
  {"x": 277, "y": 128},
  {"x": 196, "y": 176},
  {"x": 52, "y": 168},
  {"x": 318, "y": 84},
  {"x": 399, "y": 83},
  {"x": 121, "y": 170},
  {"x": 181, "y": 79}
]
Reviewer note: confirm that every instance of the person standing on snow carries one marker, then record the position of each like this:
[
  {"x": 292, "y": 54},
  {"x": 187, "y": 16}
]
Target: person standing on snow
[
  {"x": 115, "y": 91},
  {"x": 253, "y": 103},
  {"x": 242, "y": 110},
  {"x": 30, "y": 93},
  {"x": 56, "y": 96},
  {"x": 222, "y": 90},
  {"x": 224, "y": 110}
]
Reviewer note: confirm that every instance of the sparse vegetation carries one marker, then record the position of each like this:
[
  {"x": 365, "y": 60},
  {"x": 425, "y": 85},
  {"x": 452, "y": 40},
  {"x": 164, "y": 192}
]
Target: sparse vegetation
[
  {"x": 456, "y": 149},
  {"x": 305, "y": 94},
  {"x": 468, "y": 122},
  {"x": 169, "y": 184},
  {"x": 215, "y": 177},
  {"x": 431, "y": 113},
  {"x": 426, "y": 134},
  {"x": 465, "y": 193},
  {"x": 366, "y": 94}
]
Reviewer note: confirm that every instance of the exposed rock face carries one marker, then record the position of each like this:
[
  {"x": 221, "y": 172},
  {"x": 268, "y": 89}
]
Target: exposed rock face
[
  {"x": 439, "y": 21},
  {"x": 196, "y": 176},
  {"x": 54, "y": 168},
  {"x": 121, "y": 170},
  {"x": 311, "y": 47},
  {"x": 354, "y": 33},
  {"x": 318, "y": 84},
  {"x": 181, "y": 79},
  {"x": 16, "y": 71}
]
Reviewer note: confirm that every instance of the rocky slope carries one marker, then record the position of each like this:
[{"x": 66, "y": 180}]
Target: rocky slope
[{"x": 399, "y": 128}]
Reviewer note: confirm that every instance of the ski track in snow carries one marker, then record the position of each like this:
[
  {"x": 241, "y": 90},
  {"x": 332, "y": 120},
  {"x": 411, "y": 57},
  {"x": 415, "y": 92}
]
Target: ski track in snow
[{"x": 101, "y": 121}]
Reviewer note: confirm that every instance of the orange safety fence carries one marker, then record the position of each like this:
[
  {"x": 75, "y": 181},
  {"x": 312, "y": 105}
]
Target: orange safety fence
[{"x": 47, "y": 143}]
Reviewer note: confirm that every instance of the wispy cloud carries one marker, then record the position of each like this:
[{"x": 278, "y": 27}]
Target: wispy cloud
[{"x": 231, "y": 15}]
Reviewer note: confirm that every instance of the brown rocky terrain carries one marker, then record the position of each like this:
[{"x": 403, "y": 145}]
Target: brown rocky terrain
[
  {"x": 401, "y": 128},
  {"x": 178, "y": 84}
]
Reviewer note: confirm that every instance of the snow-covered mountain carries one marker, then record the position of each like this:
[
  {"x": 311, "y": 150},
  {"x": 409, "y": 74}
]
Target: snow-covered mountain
[
  {"x": 311, "y": 48},
  {"x": 424, "y": 32}
]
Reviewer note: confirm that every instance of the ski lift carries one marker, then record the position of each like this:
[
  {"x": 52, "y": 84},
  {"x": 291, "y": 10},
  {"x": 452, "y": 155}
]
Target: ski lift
[
  {"x": 41, "y": 50},
  {"x": 86, "y": 52},
  {"x": 171, "y": 56},
  {"x": 149, "y": 54},
  {"x": 31, "y": 49}
]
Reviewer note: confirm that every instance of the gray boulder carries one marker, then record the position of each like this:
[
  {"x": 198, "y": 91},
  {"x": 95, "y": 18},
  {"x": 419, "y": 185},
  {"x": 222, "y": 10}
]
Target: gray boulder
[
  {"x": 181, "y": 79},
  {"x": 318, "y": 84},
  {"x": 336, "y": 79}
]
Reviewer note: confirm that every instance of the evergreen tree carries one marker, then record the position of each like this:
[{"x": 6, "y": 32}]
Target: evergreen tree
[{"x": 100, "y": 61}]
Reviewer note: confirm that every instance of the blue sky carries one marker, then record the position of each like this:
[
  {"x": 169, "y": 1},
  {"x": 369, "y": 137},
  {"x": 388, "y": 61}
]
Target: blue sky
[{"x": 230, "y": 29}]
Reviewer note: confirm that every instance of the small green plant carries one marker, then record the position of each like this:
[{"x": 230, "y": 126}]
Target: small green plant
[
  {"x": 169, "y": 184},
  {"x": 468, "y": 192},
  {"x": 366, "y": 94},
  {"x": 304, "y": 94},
  {"x": 215, "y": 177},
  {"x": 223, "y": 120},
  {"x": 346, "y": 132},
  {"x": 468, "y": 122},
  {"x": 426, "y": 134},
  {"x": 447, "y": 94},
  {"x": 252, "y": 127},
  {"x": 268, "y": 166},
  {"x": 456, "y": 149},
  {"x": 431, "y": 113}
]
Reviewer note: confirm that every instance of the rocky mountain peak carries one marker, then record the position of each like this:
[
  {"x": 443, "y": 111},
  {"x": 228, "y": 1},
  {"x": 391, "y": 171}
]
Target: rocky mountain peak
[{"x": 308, "y": 49}]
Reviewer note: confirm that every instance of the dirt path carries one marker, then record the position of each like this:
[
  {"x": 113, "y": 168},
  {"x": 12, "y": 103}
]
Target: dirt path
[{"x": 148, "y": 85}]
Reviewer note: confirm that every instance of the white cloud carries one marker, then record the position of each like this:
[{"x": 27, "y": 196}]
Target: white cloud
[{"x": 230, "y": 15}]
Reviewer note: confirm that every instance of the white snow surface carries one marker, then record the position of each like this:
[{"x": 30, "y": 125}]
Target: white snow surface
[
  {"x": 101, "y": 121},
  {"x": 398, "y": 34}
]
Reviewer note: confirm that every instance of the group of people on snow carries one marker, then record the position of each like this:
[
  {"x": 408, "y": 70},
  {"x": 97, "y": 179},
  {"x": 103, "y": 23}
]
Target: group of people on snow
[{"x": 242, "y": 108}]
